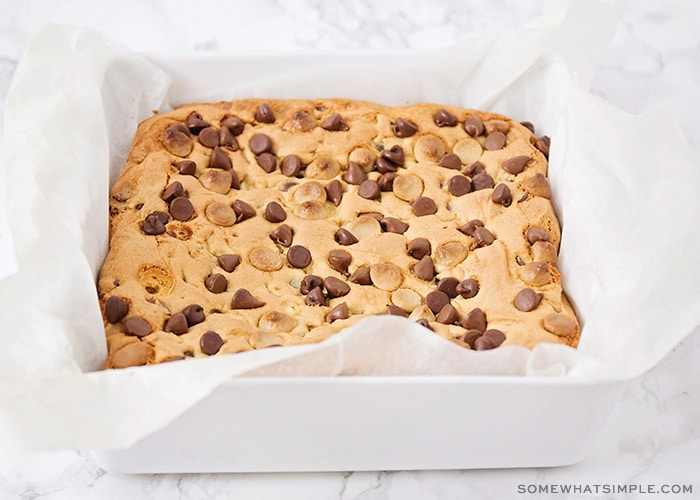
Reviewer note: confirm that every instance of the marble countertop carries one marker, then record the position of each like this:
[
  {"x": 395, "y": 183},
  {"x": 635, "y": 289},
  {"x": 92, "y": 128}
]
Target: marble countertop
[{"x": 651, "y": 440}]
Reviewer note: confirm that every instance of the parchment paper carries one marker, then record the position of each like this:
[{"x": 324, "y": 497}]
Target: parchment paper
[{"x": 624, "y": 187}]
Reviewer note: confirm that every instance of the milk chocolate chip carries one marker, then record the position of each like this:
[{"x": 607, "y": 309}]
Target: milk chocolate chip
[
  {"x": 535, "y": 234},
  {"x": 345, "y": 237},
  {"x": 339, "y": 260},
  {"x": 243, "y": 299},
  {"x": 501, "y": 195},
  {"x": 369, "y": 189},
  {"x": 482, "y": 181},
  {"x": 177, "y": 140},
  {"x": 334, "y": 192},
  {"x": 543, "y": 143},
  {"x": 216, "y": 283},
  {"x": 424, "y": 206},
  {"x": 424, "y": 269},
  {"x": 475, "y": 320},
  {"x": 186, "y": 167},
  {"x": 274, "y": 212},
  {"x": 452, "y": 161},
  {"x": 267, "y": 162},
  {"x": 210, "y": 342},
  {"x": 393, "y": 225},
  {"x": 309, "y": 282},
  {"x": 229, "y": 262},
  {"x": 334, "y": 123},
  {"x": 243, "y": 210},
  {"x": 264, "y": 113},
  {"x": 418, "y": 248},
  {"x": 473, "y": 126},
  {"x": 459, "y": 185},
  {"x": 527, "y": 300},
  {"x": 444, "y": 118},
  {"x": 137, "y": 327},
  {"x": 194, "y": 314},
  {"x": 516, "y": 164},
  {"x": 195, "y": 122},
  {"x": 219, "y": 159},
  {"x": 338, "y": 312},
  {"x": 298, "y": 256},
  {"x": 116, "y": 309},
  {"x": 291, "y": 165},
  {"x": 404, "y": 128},
  {"x": 355, "y": 174},
  {"x": 467, "y": 288},
  {"x": 470, "y": 227},
  {"x": 436, "y": 300},
  {"x": 283, "y": 235},
  {"x": 361, "y": 276},
  {"x": 234, "y": 124},
  {"x": 448, "y": 286},
  {"x": 315, "y": 297},
  {"x": 181, "y": 209},
  {"x": 491, "y": 339},
  {"x": 260, "y": 143},
  {"x": 177, "y": 324},
  {"x": 495, "y": 141},
  {"x": 171, "y": 192},
  {"x": 448, "y": 315},
  {"x": 335, "y": 287},
  {"x": 154, "y": 223},
  {"x": 209, "y": 137},
  {"x": 482, "y": 237}
]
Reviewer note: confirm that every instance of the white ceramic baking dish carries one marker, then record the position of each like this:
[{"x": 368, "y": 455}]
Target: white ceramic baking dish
[
  {"x": 258, "y": 424},
  {"x": 376, "y": 423}
]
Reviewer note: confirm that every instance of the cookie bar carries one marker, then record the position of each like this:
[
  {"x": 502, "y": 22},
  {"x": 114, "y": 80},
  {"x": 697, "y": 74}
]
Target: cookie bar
[{"x": 248, "y": 224}]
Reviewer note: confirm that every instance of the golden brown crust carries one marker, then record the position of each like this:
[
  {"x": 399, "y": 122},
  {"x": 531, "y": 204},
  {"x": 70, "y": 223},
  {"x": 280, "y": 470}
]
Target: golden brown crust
[{"x": 159, "y": 275}]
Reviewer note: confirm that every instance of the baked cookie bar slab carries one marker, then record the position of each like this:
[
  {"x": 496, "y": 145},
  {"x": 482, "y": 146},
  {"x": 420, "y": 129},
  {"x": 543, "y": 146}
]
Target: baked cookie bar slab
[{"x": 248, "y": 224}]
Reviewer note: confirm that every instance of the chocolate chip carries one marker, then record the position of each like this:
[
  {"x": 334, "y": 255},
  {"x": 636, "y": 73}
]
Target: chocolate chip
[
  {"x": 137, "y": 327},
  {"x": 516, "y": 164},
  {"x": 181, "y": 209},
  {"x": 535, "y": 234},
  {"x": 386, "y": 181},
  {"x": 448, "y": 286},
  {"x": 393, "y": 225},
  {"x": 501, "y": 195},
  {"x": 339, "y": 260},
  {"x": 334, "y": 123},
  {"x": 424, "y": 323},
  {"x": 361, "y": 276},
  {"x": 171, "y": 192},
  {"x": 424, "y": 269},
  {"x": 336, "y": 287},
  {"x": 235, "y": 181},
  {"x": 543, "y": 143},
  {"x": 264, "y": 113},
  {"x": 436, "y": 300},
  {"x": 219, "y": 159},
  {"x": 227, "y": 139},
  {"x": 475, "y": 320},
  {"x": 194, "y": 314},
  {"x": 116, "y": 309},
  {"x": 482, "y": 181},
  {"x": 283, "y": 235},
  {"x": 529, "y": 126},
  {"x": 338, "y": 312},
  {"x": 482, "y": 237},
  {"x": 404, "y": 128},
  {"x": 233, "y": 124},
  {"x": 186, "y": 167},
  {"x": 451, "y": 161},
  {"x": 527, "y": 299},
  {"x": 154, "y": 223},
  {"x": 209, "y": 137},
  {"x": 495, "y": 141},
  {"x": 274, "y": 212},
  {"x": 302, "y": 121},
  {"x": 291, "y": 165},
  {"x": 309, "y": 282},
  {"x": 243, "y": 299},
  {"x": 491, "y": 339},
  {"x": 475, "y": 168},
  {"x": 195, "y": 123},
  {"x": 243, "y": 210},
  {"x": 298, "y": 256},
  {"x": 177, "y": 140},
  {"x": 177, "y": 324},
  {"x": 384, "y": 166},
  {"x": 424, "y": 206},
  {"x": 470, "y": 227},
  {"x": 369, "y": 189},
  {"x": 474, "y": 126},
  {"x": 216, "y": 283},
  {"x": 229, "y": 262},
  {"x": 459, "y": 185},
  {"x": 448, "y": 315},
  {"x": 396, "y": 311},
  {"x": 260, "y": 143},
  {"x": 315, "y": 297},
  {"x": 210, "y": 342},
  {"x": 418, "y": 248},
  {"x": 470, "y": 337},
  {"x": 345, "y": 237},
  {"x": 267, "y": 162},
  {"x": 334, "y": 192},
  {"x": 444, "y": 118},
  {"x": 467, "y": 288},
  {"x": 394, "y": 155},
  {"x": 355, "y": 174}
]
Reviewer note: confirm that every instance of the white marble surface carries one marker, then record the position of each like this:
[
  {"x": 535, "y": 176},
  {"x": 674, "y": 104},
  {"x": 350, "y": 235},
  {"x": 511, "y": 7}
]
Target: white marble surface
[{"x": 653, "y": 436}]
